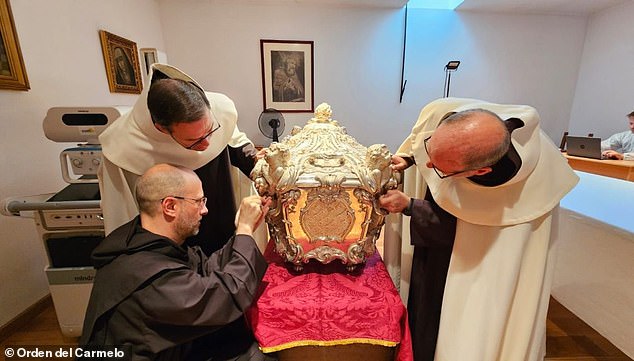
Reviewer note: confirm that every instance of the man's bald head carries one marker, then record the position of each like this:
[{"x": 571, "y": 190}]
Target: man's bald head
[
  {"x": 470, "y": 139},
  {"x": 158, "y": 182}
]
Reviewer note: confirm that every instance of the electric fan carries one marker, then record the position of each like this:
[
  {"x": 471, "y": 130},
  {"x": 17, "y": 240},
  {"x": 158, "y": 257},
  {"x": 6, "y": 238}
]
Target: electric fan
[{"x": 271, "y": 123}]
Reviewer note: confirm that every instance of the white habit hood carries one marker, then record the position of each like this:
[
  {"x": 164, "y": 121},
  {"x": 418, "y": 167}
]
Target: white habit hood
[
  {"x": 542, "y": 180},
  {"x": 133, "y": 143}
]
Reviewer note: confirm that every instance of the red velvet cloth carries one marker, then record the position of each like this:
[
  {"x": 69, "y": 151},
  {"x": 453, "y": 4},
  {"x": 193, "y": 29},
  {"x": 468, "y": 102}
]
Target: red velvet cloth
[{"x": 326, "y": 305}]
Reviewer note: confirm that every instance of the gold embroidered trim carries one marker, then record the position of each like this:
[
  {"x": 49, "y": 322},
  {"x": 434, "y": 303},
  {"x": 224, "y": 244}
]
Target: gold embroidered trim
[{"x": 347, "y": 341}]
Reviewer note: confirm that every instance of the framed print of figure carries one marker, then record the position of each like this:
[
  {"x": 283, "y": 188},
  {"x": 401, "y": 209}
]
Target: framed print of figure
[
  {"x": 287, "y": 75},
  {"x": 149, "y": 56}
]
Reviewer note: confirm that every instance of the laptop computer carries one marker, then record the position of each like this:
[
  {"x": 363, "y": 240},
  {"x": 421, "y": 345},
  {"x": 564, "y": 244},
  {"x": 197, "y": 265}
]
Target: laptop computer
[{"x": 587, "y": 147}]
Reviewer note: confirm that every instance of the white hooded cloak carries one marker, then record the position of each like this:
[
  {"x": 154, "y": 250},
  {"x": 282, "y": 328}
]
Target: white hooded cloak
[
  {"x": 498, "y": 284},
  {"x": 132, "y": 144}
]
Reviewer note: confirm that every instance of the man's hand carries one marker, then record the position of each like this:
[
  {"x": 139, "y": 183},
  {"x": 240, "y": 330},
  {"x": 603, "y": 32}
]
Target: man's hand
[
  {"x": 260, "y": 154},
  {"x": 398, "y": 163},
  {"x": 394, "y": 201},
  {"x": 251, "y": 213},
  {"x": 610, "y": 154}
]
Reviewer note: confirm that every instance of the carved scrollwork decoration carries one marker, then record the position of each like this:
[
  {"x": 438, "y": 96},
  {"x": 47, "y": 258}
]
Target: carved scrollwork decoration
[{"x": 325, "y": 187}]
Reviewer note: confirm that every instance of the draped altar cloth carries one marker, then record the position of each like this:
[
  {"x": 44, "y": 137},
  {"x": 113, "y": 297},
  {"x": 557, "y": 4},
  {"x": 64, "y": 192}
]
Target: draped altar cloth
[{"x": 325, "y": 305}]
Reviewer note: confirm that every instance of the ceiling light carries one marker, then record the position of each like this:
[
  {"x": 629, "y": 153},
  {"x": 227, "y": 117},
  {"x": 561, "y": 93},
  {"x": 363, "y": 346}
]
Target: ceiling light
[{"x": 434, "y": 4}]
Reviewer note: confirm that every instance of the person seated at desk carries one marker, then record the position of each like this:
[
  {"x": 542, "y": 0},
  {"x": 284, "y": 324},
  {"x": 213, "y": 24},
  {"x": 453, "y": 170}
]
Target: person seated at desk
[
  {"x": 620, "y": 145},
  {"x": 159, "y": 300}
]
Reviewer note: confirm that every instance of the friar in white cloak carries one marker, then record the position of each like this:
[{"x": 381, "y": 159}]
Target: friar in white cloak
[
  {"x": 484, "y": 244},
  {"x": 134, "y": 143}
]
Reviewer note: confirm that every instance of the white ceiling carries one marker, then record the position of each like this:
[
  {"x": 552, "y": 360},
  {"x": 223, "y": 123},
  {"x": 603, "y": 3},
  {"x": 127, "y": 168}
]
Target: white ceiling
[
  {"x": 351, "y": 3},
  {"x": 553, "y": 7}
]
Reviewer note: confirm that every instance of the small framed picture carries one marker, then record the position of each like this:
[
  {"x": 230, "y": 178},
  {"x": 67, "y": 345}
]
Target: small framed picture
[
  {"x": 122, "y": 63},
  {"x": 287, "y": 75},
  {"x": 12, "y": 70},
  {"x": 149, "y": 56}
]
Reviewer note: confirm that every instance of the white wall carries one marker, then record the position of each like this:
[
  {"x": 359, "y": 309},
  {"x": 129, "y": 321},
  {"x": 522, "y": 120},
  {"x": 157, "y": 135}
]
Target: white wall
[
  {"x": 604, "y": 90},
  {"x": 510, "y": 59},
  {"x": 505, "y": 58},
  {"x": 64, "y": 63},
  {"x": 357, "y": 56}
]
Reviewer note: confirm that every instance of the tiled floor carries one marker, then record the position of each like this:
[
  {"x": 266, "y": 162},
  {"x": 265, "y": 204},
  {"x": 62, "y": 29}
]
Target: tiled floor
[{"x": 568, "y": 338}]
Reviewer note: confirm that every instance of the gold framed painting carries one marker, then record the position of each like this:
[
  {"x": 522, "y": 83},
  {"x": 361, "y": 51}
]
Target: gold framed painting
[
  {"x": 287, "y": 75},
  {"x": 122, "y": 63},
  {"x": 12, "y": 70}
]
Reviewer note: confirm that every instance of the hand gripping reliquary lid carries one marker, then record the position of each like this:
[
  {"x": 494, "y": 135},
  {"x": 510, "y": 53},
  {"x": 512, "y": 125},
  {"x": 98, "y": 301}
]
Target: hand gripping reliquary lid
[{"x": 324, "y": 187}]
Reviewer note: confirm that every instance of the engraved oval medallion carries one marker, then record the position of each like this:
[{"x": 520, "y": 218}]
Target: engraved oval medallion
[{"x": 327, "y": 218}]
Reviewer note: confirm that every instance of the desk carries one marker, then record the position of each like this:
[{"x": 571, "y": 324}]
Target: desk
[
  {"x": 623, "y": 169},
  {"x": 594, "y": 268},
  {"x": 326, "y": 312}
]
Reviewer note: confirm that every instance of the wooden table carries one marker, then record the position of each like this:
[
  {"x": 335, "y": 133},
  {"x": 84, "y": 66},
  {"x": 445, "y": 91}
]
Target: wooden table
[
  {"x": 352, "y": 352},
  {"x": 622, "y": 169}
]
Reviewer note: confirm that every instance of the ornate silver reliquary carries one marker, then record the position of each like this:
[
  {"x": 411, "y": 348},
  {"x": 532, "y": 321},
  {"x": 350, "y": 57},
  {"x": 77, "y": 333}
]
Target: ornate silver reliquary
[{"x": 324, "y": 187}]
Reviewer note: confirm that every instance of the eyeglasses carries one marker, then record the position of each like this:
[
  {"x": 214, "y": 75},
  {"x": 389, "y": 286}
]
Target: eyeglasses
[
  {"x": 199, "y": 140},
  {"x": 441, "y": 174},
  {"x": 200, "y": 202}
]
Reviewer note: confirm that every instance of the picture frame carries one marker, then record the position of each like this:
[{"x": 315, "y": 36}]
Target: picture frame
[
  {"x": 149, "y": 56},
  {"x": 122, "y": 63},
  {"x": 12, "y": 70},
  {"x": 287, "y": 75}
]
